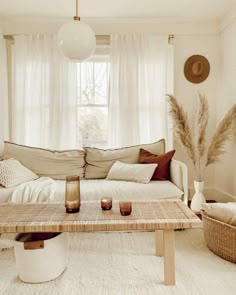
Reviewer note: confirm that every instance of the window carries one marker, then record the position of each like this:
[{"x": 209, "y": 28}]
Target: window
[
  {"x": 42, "y": 101},
  {"x": 92, "y": 101}
]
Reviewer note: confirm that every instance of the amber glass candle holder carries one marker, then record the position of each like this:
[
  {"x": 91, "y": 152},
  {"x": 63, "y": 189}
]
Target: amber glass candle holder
[
  {"x": 125, "y": 208},
  {"x": 72, "y": 194},
  {"x": 106, "y": 203}
]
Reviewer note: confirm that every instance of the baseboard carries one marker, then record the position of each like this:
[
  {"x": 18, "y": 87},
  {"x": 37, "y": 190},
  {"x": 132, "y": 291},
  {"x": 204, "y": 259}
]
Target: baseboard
[{"x": 212, "y": 193}]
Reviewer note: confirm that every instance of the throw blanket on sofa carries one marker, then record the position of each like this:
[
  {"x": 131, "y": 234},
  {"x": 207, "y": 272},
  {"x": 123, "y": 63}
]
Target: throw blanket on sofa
[{"x": 36, "y": 191}]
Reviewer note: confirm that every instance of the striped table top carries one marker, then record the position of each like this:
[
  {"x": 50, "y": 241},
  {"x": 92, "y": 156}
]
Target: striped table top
[{"x": 161, "y": 214}]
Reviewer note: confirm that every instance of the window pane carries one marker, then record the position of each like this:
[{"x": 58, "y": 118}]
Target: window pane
[
  {"x": 101, "y": 82},
  {"x": 92, "y": 122},
  {"x": 92, "y": 82}
]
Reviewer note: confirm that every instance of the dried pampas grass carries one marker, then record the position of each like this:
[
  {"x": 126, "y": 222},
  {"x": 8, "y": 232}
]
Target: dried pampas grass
[
  {"x": 201, "y": 125},
  {"x": 200, "y": 134},
  {"x": 182, "y": 127},
  {"x": 197, "y": 149},
  {"x": 223, "y": 133}
]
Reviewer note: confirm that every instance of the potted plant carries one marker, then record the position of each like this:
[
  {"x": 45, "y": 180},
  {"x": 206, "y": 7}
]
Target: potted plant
[{"x": 201, "y": 154}]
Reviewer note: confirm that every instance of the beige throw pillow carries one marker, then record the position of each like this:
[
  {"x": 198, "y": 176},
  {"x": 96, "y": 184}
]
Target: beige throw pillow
[
  {"x": 131, "y": 172},
  {"x": 13, "y": 173},
  {"x": 44, "y": 162},
  {"x": 225, "y": 212},
  {"x": 99, "y": 161}
]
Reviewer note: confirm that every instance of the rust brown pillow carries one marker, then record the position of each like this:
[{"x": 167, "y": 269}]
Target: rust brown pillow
[{"x": 162, "y": 171}]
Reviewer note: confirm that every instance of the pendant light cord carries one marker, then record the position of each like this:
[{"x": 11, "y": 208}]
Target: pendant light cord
[{"x": 76, "y": 17}]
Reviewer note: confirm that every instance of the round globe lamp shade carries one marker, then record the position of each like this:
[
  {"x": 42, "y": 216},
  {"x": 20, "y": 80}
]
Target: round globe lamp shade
[{"x": 76, "y": 40}]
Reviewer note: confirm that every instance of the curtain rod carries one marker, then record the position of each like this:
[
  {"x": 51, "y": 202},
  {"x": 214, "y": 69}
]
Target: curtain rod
[
  {"x": 11, "y": 36},
  {"x": 101, "y": 39}
]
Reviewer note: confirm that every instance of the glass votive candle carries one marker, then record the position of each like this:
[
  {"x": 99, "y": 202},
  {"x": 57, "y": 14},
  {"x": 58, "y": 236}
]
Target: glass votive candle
[
  {"x": 72, "y": 194},
  {"x": 106, "y": 203},
  {"x": 125, "y": 208}
]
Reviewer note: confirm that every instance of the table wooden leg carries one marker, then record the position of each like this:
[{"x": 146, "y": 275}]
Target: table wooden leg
[
  {"x": 159, "y": 243},
  {"x": 169, "y": 257}
]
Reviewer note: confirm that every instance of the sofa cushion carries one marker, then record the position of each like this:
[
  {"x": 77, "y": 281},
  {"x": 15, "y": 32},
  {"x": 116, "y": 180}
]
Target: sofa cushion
[
  {"x": 162, "y": 172},
  {"x": 13, "y": 173},
  {"x": 131, "y": 172},
  {"x": 44, "y": 162},
  {"x": 95, "y": 189},
  {"x": 99, "y": 161}
]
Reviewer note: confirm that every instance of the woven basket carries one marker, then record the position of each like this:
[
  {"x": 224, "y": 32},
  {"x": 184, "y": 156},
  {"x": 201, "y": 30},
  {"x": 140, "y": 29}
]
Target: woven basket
[{"x": 220, "y": 237}]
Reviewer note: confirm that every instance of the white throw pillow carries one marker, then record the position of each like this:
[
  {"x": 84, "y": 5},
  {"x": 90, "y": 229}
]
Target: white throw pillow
[
  {"x": 13, "y": 173},
  {"x": 225, "y": 212},
  {"x": 131, "y": 172}
]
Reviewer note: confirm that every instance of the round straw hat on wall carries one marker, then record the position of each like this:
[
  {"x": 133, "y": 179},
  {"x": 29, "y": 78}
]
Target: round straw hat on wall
[{"x": 196, "y": 69}]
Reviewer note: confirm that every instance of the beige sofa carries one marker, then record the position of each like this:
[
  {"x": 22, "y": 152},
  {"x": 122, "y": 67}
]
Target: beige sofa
[{"x": 93, "y": 165}]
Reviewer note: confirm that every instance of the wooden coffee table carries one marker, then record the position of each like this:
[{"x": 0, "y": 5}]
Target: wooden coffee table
[{"x": 163, "y": 217}]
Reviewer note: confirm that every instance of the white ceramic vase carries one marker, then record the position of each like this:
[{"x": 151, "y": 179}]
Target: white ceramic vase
[{"x": 198, "y": 197}]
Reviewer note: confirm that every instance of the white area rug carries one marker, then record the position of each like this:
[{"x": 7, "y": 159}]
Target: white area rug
[{"x": 124, "y": 264}]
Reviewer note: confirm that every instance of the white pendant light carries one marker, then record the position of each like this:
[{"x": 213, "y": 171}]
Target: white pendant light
[{"x": 76, "y": 39}]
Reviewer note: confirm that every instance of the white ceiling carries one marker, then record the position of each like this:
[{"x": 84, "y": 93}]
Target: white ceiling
[{"x": 185, "y": 10}]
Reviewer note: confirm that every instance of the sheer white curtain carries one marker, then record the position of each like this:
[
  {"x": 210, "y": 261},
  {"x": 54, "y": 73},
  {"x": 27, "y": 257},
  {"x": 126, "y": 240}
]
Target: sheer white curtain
[
  {"x": 3, "y": 93},
  {"x": 138, "y": 108},
  {"x": 43, "y": 111}
]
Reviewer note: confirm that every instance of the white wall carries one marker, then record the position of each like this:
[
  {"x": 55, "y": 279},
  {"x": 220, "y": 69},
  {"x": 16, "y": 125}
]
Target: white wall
[
  {"x": 187, "y": 93},
  {"x": 108, "y": 26},
  {"x": 225, "y": 178}
]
